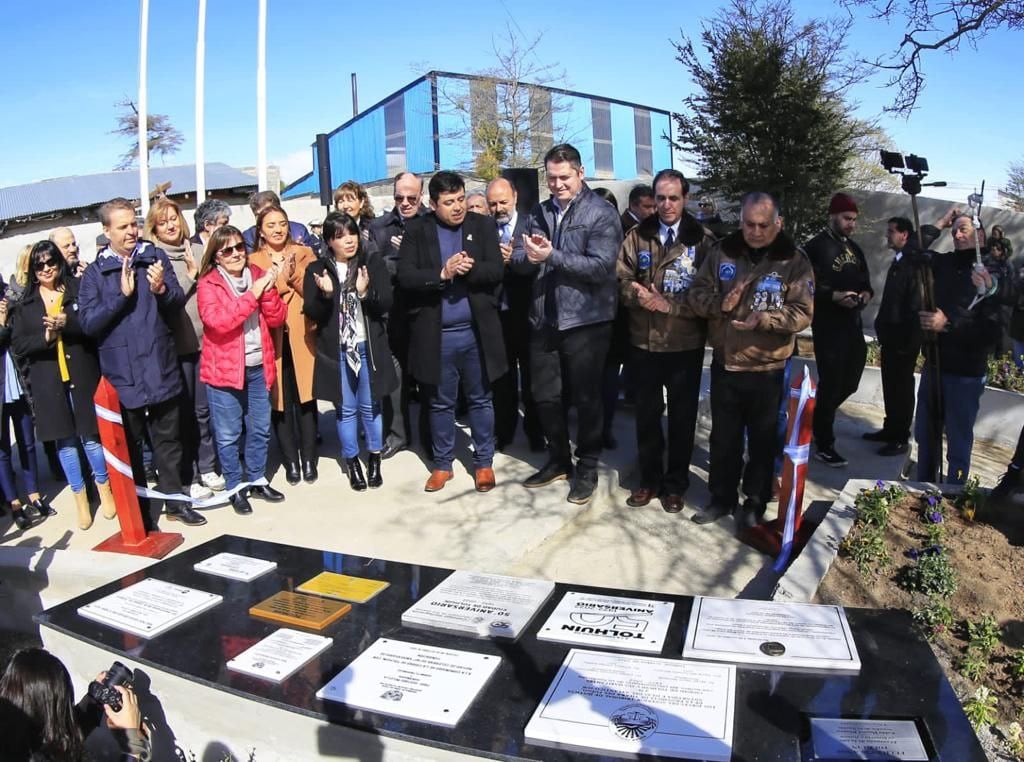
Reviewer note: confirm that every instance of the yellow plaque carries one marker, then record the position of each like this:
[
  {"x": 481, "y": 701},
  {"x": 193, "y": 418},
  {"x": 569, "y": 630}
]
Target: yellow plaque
[
  {"x": 343, "y": 587},
  {"x": 300, "y": 610}
]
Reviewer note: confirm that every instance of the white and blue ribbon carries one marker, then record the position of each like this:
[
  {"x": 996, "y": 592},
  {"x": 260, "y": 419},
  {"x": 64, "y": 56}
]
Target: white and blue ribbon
[{"x": 798, "y": 455}]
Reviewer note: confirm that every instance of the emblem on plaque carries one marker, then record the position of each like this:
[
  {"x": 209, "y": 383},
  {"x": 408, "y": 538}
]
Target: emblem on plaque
[
  {"x": 633, "y": 722},
  {"x": 772, "y": 648},
  {"x": 392, "y": 695},
  {"x": 500, "y": 625}
]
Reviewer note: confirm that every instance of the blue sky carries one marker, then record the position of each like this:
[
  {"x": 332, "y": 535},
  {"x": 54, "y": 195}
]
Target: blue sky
[{"x": 67, "y": 63}]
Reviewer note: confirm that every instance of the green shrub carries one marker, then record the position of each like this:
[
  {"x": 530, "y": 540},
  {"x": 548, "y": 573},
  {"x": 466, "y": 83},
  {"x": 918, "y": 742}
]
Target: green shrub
[{"x": 931, "y": 573}]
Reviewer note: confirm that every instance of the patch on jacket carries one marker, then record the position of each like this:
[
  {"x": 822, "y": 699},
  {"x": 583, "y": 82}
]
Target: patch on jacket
[
  {"x": 726, "y": 271},
  {"x": 810, "y": 286},
  {"x": 678, "y": 277},
  {"x": 769, "y": 293}
]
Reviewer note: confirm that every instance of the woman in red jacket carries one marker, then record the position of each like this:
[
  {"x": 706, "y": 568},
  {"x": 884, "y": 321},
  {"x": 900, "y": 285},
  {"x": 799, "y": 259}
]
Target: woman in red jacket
[{"x": 238, "y": 305}]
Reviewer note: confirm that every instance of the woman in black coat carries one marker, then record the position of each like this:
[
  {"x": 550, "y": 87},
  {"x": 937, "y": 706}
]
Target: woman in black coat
[
  {"x": 63, "y": 366},
  {"x": 348, "y": 295}
]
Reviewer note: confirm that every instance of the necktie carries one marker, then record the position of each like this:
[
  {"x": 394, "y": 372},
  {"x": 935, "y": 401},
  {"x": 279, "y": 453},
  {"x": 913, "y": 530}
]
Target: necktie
[
  {"x": 669, "y": 239},
  {"x": 506, "y": 234}
]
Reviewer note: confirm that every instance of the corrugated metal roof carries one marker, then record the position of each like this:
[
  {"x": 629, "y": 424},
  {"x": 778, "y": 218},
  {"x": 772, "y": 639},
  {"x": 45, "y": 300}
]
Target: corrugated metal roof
[{"x": 79, "y": 191}]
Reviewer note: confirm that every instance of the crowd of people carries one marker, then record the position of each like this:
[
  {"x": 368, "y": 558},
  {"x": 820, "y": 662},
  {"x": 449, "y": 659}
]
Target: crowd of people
[{"x": 485, "y": 310}]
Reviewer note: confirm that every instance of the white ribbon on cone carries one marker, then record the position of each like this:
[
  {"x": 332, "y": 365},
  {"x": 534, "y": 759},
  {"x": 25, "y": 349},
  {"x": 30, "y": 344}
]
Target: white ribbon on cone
[{"x": 797, "y": 455}]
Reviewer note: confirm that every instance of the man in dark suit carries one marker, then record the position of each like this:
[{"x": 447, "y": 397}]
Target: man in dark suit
[
  {"x": 386, "y": 234},
  {"x": 450, "y": 267},
  {"x": 515, "y": 325},
  {"x": 641, "y": 206}
]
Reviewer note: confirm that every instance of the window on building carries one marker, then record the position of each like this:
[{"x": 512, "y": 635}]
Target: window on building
[
  {"x": 644, "y": 152},
  {"x": 601, "y": 115},
  {"x": 394, "y": 135}
]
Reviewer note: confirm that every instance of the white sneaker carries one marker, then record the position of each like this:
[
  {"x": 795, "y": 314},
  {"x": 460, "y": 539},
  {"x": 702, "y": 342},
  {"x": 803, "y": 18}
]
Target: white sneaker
[
  {"x": 199, "y": 491},
  {"x": 214, "y": 481}
]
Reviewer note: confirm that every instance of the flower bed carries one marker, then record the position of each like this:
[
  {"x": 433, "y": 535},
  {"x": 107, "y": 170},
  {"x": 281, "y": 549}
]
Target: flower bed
[{"x": 955, "y": 566}]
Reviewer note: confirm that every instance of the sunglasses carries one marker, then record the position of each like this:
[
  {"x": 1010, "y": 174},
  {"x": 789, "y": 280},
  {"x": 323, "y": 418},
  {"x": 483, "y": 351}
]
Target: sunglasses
[
  {"x": 43, "y": 264},
  {"x": 407, "y": 199},
  {"x": 227, "y": 251}
]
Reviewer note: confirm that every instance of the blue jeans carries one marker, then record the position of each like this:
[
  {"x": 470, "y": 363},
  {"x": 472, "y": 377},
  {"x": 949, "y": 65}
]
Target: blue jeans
[
  {"x": 461, "y": 361},
  {"x": 357, "y": 404},
  {"x": 961, "y": 398},
  {"x": 18, "y": 412},
  {"x": 228, "y": 407},
  {"x": 67, "y": 453}
]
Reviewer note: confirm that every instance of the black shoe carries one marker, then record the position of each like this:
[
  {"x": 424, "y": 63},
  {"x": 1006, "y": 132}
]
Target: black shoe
[
  {"x": 583, "y": 487},
  {"x": 291, "y": 473},
  {"x": 1009, "y": 483},
  {"x": 184, "y": 513},
  {"x": 710, "y": 515},
  {"x": 391, "y": 449},
  {"x": 356, "y": 479},
  {"x": 749, "y": 515},
  {"x": 877, "y": 436},
  {"x": 266, "y": 492},
  {"x": 43, "y": 508},
  {"x": 151, "y": 475},
  {"x": 830, "y": 457},
  {"x": 309, "y": 473},
  {"x": 22, "y": 520},
  {"x": 550, "y": 472},
  {"x": 373, "y": 477},
  {"x": 241, "y": 503},
  {"x": 894, "y": 448}
]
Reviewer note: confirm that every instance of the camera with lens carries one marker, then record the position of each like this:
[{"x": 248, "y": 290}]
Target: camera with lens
[{"x": 105, "y": 692}]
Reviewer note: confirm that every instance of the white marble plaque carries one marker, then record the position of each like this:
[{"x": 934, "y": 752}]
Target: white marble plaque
[
  {"x": 625, "y": 705},
  {"x": 236, "y": 567},
  {"x": 842, "y": 739},
  {"x": 149, "y": 608},
  {"x": 280, "y": 654},
  {"x": 412, "y": 681},
  {"x": 795, "y": 635},
  {"x": 480, "y": 605},
  {"x": 605, "y": 621}
]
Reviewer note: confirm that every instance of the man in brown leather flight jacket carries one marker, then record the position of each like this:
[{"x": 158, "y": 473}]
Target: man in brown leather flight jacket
[
  {"x": 656, "y": 267},
  {"x": 757, "y": 291}
]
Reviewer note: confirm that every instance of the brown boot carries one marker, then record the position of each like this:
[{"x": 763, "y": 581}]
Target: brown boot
[
  {"x": 107, "y": 500},
  {"x": 84, "y": 511}
]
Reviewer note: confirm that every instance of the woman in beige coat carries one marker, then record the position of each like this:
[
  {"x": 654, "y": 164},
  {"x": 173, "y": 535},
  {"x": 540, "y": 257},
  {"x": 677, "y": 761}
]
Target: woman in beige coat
[{"x": 294, "y": 407}]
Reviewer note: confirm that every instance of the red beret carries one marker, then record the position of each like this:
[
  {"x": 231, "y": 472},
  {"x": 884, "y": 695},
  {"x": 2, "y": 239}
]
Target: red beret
[{"x": 842, "y": 203}]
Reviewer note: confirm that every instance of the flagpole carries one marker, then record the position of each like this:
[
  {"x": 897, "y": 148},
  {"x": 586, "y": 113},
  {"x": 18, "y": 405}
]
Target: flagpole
[
  {"x": 200, "y": 105},
  {"x": 143, "y": 135},
  {"x": 261, "y": 97}
]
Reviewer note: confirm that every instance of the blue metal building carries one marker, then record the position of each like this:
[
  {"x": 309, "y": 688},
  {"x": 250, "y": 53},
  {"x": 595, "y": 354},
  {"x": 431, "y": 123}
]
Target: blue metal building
[{"x": 410, "y": 132}]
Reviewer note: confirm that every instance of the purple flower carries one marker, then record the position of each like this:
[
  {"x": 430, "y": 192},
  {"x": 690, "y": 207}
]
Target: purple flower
[
  {"x": 880, "y": 484},
  {"x": 913, "y": 554},
  {"x": 935, "y": 517},
  {"x": 932, "y": 500},
  {"x": 933, "y": 550}
]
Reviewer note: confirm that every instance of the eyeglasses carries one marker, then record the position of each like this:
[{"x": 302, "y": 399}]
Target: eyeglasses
[
  {"x": 43, "y": 264},
  {"x": 407, "y": 199},
  {"x": 227, "y": 251}
]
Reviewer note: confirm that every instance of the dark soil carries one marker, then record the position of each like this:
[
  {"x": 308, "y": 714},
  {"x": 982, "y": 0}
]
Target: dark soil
[{"x": 988, "y": 555}]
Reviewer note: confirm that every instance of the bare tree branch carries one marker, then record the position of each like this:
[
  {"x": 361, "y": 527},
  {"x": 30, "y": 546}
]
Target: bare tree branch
[{"x": 162, "y": 138}]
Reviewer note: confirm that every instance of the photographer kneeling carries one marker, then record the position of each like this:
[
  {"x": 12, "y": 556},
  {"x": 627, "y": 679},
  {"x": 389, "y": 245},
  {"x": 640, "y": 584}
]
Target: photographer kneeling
[{"x": 41, "y": 721}]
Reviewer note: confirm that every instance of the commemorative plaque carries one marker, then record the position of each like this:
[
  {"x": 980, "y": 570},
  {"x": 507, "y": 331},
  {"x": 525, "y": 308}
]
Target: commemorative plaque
[
  {"x": 847, "y": 739},
  {"x": 343, "y": 587},
  {"x": 412, "y": 681},
  {"x": 480, "y": 605},
  {"x": 149, "y": 608},
  {"x": 605, "y": 621},
  {"x": 236, "y": 567},
  {"x": 626, "y": 705},
  {"x": 300, "y": 610},
  {"x": 279, "y": 655},
  {"x": 784, "y": 635}
]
